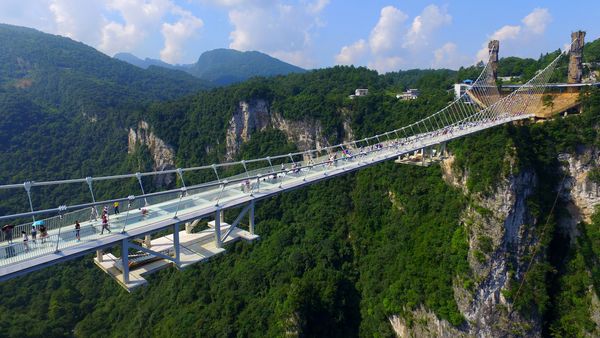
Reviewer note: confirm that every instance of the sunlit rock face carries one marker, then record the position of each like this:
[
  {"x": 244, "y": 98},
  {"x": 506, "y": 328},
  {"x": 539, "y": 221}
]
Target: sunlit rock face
[
  {"x": 163, "y": 155},
  {"x": 256, "y": 115}
]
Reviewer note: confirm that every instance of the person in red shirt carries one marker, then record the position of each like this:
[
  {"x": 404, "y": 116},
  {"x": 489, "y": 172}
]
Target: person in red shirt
[{"x": 105, "y": 224}]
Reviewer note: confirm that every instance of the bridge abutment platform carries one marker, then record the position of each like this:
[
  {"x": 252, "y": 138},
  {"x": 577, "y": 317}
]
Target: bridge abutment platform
[{"x": 179, "y": 249}]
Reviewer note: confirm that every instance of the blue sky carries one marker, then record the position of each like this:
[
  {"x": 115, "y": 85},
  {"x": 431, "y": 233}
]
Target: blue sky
[{"x": 383, "y": 35}]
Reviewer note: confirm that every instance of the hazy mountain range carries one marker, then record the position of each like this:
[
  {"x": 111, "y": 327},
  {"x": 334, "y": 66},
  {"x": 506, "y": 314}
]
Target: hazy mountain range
[{"x": 222, "y": 66}]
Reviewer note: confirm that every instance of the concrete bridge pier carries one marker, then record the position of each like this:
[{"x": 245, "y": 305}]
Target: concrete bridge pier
[
  {"x": 251, "y": 218},
  {"x": 218, "y": 220}
]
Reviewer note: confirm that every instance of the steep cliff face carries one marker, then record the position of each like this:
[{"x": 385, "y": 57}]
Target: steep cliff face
[
  {"x": 498, "y": 225},
  {"x": 163, "y": 155},
  {"x": 256, "y": 115},
  {"x": 426, "y": 324},
  {"x": 501, "y": 232},
  {"x": 581, "y": 193}
]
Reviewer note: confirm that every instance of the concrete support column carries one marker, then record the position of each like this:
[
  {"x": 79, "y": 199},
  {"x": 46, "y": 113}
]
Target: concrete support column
[
  {"x": 125, "y": 260},
  {"x": 148, "y": 241},
  {"x": 218, "y": 218},
  {"x": 100, "y": 255},
  {"x": 176, "y": 243},
  {"x": 251, "y": 216},
  {"x": 188, "y": 227}
]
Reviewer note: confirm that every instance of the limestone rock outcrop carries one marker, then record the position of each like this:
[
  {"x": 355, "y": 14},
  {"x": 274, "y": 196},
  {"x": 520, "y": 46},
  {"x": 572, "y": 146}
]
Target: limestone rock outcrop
[
  {"x": 163, "y": 155},
  {"x": 501, "y": 223},
  {"x": 256, "y": 115}
]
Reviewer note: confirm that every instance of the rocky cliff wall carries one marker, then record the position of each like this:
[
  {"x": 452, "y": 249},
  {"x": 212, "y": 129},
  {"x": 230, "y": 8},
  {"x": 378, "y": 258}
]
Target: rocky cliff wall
[
  {"x": 163, "y": 155},
  {"x": 581, "y": 196},
  {"x": 579, "y": 191},
  {"x": 498, "y": 225},
  {"x": 256, "y": 115}
]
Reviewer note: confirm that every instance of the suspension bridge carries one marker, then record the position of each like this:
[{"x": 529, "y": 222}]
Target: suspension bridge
[{"x": 160, "y": 229}]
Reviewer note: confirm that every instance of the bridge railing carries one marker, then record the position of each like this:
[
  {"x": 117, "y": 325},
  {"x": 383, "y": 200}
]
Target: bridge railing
[
  {"x": 166, "y": 204},
  {"x": 161, "y": 205}
]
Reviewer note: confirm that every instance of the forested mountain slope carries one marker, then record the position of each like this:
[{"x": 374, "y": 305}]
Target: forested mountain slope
[
  {"x": 223, "y": 66},
  {"x": 65, "y": 107},
  {"x": 473, "y": 246}
]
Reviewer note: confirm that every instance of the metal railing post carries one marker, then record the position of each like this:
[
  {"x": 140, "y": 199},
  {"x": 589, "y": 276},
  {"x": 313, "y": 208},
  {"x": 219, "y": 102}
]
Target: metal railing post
[
  {"x": 27, "y": 186},
  {"x": 61, "y": 210},
  {"x": 139, "y": 178},
  {"x": 271, "y": 165},
  {"x": 248, "y": 177},
  {"x": 183, "y": 190},
  {"x": 89, "y": 180},
  {"x": 180, "y": 173},
  {"x": 245, "y": 168},
  {"x": 309, "y": 168},
  {"x": 214, "y": 167},
  {"x": 130, "y": 200},
  {"x": 223, "y": 185}
]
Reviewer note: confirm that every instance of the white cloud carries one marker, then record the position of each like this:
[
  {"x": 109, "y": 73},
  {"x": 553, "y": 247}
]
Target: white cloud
[
  {"x": 388, "y": 31},
  {"x": 140, "y": 17},
  {"x": 518, "y": 36},
  {"x": 537, "y": 20},
  {"x": 351, "y": 54},
  {"x": 506, "y": 33},
  {"x": 449, "y": 56},
  {"x": 394, "y": 44},
  {"x": 110, "y": 25},
  {"x": 275, "y": 27},
  {"x": 317, "y": 6},
  {"x": 177, "y": 34},
  {"x": 78, "y": 20},
  {"x": 240, "y": 3},
  {"x": 387, "y": 64},
  {"x": 29, "y": 13},
  {"x": 118, "y": 37},
  {"x": 432, "y": 18},
  {"x": 299, "y": 58}
]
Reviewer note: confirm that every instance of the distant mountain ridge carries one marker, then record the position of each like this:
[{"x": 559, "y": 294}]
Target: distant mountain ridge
[
  {"x": 223, "y": 66},
  {"x": 145, "y": 63}
]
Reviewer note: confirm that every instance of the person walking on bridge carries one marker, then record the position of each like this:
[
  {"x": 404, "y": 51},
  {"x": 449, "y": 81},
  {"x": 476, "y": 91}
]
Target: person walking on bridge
[
  {"x": 43, "y": 233},
  {"x": 105, "y": 224},
  {"x": 77, "y": 230},
  {"x": 8, "y": 232},
  {"x": 33, "y": 233},
  {"x": 116, "y": 207},
  {"x": 94, "y": 214},
  {"x": 25, "y": 240}
]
